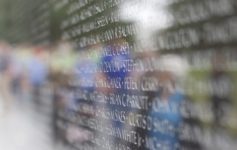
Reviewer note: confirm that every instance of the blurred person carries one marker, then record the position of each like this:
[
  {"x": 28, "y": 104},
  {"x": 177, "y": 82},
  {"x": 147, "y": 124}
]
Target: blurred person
[
  {"x": 162, "y": 92},
  {"x": 85, "y": 67},
  {"x": 37, "y": 73},
  {"x": 220, "y": 84},
  {"x": 24, "y": 56},
  {"x": 114, "y": 53},
  {"x": 143, "y": 71},
  {"x": 62, "y": 61},
  {"x": 84, "y": 74},
  {"x": 5, "y": 76},
  {"x": 17, "y": 76},
  {"x": 165, "y": 109}
]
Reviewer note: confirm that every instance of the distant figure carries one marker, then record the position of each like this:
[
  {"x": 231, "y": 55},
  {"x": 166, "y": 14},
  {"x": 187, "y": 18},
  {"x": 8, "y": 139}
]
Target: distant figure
[
  {"x": 37, "y": 75},
  {"x": 17, "y": 77},
  {"x": 220, "y": 84},
  {"x": 5, "y": 77},
  {"x": 117, "y": 72},
  {"x": 165, "y": 109}
]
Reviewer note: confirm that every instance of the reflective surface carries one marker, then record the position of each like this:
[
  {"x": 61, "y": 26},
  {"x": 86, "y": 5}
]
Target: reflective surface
[{"x": 127, "y": 75}]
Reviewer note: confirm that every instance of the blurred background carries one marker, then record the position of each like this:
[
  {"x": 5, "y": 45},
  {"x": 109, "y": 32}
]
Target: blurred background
[{"x": 118, "y": 74}]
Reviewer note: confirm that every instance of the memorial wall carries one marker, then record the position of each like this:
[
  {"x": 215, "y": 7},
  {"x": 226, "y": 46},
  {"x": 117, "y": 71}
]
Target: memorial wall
[{"x": 149, "y": 74}]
